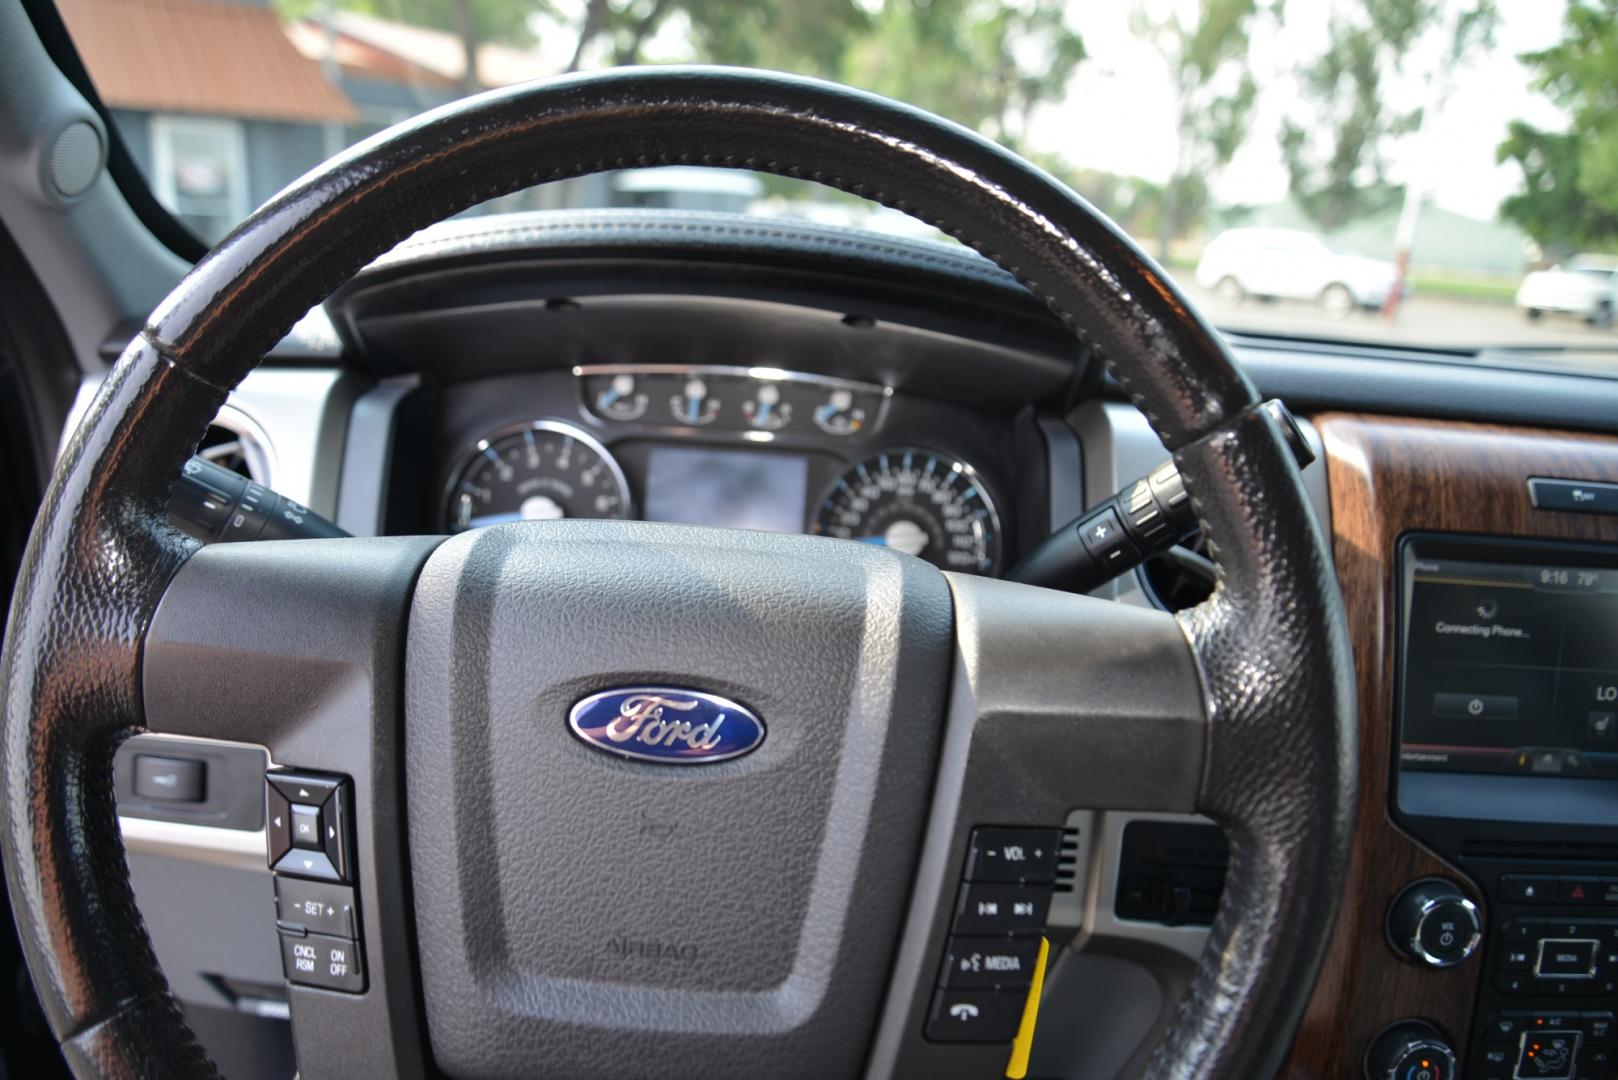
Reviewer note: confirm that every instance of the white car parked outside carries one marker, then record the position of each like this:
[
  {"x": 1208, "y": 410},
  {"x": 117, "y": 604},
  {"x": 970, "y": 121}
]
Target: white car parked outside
[
  {"x": 1586, "y": 286},
  {"x": 1289, "y": 264}
]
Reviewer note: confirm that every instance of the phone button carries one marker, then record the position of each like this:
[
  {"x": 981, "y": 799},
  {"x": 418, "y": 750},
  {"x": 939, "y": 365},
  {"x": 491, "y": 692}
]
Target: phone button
[{"x": 976, "y": 1016}]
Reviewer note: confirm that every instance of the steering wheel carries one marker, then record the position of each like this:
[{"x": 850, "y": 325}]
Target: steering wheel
[{"x": 531, "y": 907}]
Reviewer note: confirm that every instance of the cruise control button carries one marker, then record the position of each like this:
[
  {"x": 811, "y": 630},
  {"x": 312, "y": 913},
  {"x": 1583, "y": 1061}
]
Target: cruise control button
[
  {"x": 986, "y": 1016},
  {"x": 1013, "y": 855},
  {"x": 984, "y": 963},
  {"x": 1002, "y": 909},
  {"x": 327, "y": 962},
  {"x": 316, "y": 907}
]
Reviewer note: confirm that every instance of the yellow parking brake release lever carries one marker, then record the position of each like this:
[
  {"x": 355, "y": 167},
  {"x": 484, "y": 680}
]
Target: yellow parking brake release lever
[{"x": 1017, "y": 1067}]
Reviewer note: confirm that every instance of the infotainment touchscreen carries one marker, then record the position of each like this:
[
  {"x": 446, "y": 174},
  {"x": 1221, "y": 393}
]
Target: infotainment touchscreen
[{"x": 1510, "y": 665}]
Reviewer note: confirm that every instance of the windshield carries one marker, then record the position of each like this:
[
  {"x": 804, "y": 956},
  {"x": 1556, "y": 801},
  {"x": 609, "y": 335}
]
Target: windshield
[{"x": 1382, "y": 170}]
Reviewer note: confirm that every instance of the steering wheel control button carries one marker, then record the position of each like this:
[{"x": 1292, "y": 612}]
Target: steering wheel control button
[
  {"x": 1433, "y": 923},
  {"x": 312, "y": 864},
  {"x": 315, "y": 907},
  {"x": 301, "y": 787},
  {"x": 1002, "y": 909},
  {"x": 1104, "y": 538},
  {"x": 1013, "y": 855},
  {"x": 1409, "y": 1050},
  {"x": 169, "y": 779},
  {"x": 306, "y": 827},
  {"x": 330, "y": 963},
  {"x": 307, "y": 823},
  {"x": 976, "y": 1016},
  {"x": 973, "y": 963},
  {"x": 1549, "y": 1054}
]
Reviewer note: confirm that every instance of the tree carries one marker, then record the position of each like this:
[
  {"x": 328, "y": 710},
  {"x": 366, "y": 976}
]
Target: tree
[
  {"x": 1214, "y": 95},
  {"x": 982, "y": 63},
  {"x": 473, "y": 21},
  {"x": 1570, "y": 179},
  {"x": 1336, "y": 155}
]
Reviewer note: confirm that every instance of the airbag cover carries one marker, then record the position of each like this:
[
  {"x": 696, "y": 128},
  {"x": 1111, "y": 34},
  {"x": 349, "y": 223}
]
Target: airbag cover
[{"x": 580, "y": 914}]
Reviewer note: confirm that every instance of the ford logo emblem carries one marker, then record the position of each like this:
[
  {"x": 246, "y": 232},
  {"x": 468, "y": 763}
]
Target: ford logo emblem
[{"x": 673, "y": 727}]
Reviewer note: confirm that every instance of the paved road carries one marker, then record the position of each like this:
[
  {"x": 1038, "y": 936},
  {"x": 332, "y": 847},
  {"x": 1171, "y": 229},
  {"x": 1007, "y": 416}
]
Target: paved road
[{"x": 1422, "y": 320}]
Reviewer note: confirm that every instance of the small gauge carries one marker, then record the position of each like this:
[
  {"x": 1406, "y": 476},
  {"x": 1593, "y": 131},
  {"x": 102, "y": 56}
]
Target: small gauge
[
  {"x": 693, "y": 404},
  {"x": 765, "y": 410},
  {"x": 621, "y": 400},
  {"x": 924, "y": 504},
  {"x": 535, "y": 472},
  {"x": 839, "y": 415}
]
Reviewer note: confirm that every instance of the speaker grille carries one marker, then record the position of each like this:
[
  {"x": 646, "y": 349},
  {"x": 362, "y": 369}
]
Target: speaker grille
[{"x": 75, "y": 159}]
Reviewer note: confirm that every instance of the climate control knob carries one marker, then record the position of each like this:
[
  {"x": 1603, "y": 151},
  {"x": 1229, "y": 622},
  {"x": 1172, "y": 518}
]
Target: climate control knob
[
  {"x": 1410, "y": 1050},
  {"x": 1433, "y": 923}
]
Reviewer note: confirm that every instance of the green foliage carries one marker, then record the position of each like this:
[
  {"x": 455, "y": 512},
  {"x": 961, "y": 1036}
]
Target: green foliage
[
  {"x": 493, "y": 20},
  {"x": 1214, "y": 94},
  {"x": 809, "y": 37},
  {"x": 1570, "y": 196},
  {"x": 1336, "y": 148},
  {"x": 981, "y": 63}
]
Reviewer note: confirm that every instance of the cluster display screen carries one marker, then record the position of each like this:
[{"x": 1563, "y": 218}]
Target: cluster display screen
[
  {"x": 737, "y": 489},
  {"x": 1509, "y": 667}
]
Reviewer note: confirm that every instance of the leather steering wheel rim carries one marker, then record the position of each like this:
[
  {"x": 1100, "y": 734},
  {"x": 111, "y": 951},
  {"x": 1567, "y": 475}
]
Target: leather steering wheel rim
[{"x": 1279, "y": 772}]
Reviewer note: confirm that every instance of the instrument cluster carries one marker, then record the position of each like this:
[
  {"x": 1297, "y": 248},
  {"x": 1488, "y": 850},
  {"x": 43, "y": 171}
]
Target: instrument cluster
[{"x": 757, "y": 448}]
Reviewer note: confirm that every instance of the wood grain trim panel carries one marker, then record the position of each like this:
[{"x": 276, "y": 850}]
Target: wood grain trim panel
[{"x": 1390, "y": 476}]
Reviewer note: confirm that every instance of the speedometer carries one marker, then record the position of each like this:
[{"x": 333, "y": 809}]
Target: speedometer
[
  {"x": 918, "y": 502},
  {"x": 535, "y": 472}
]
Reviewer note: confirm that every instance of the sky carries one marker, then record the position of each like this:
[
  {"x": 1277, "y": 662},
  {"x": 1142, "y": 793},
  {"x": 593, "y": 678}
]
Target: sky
[{"x": 1119, "y": 115}]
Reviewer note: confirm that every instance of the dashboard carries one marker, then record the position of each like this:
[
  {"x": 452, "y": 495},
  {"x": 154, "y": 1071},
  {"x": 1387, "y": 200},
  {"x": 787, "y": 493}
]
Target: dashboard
[
  {"x": 749, "y": 448},
  {"x": 716, "y": 371}
]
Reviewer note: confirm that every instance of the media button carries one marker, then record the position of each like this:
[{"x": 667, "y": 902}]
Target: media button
[
  {"x": 1561, "y": 958},
  {"x": 989, "y": 963}
]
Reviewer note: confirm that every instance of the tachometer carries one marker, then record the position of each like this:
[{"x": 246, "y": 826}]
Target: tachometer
[
  {"x": 534, "y": 472},
  {"x": 918, "y": 502}
]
